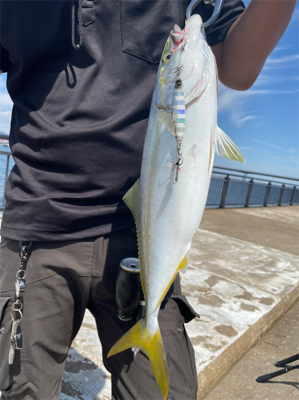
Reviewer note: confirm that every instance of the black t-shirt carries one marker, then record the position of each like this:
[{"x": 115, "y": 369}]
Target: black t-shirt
[{"x": 80, "y": 116}]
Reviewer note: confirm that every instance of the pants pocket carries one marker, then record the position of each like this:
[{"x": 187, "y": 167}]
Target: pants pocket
[
  {"x": 179, "y": 350},
  {"x": 186, "y": 310},
  {"x": 5, "y": 327}
]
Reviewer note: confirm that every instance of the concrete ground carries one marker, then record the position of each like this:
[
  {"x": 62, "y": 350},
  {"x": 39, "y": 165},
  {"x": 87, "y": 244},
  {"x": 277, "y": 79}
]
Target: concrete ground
[
  {"x": 243, "y": 276},
  {"x": 280, "y": 343}
]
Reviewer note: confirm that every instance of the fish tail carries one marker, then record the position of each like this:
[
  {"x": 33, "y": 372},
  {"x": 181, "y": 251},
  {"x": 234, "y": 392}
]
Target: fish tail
[{"x": 150, "y": 342}]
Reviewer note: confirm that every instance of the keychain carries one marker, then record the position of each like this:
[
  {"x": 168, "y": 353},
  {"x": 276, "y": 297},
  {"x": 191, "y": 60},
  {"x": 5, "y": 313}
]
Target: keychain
[{"x": 17, "y": 307}]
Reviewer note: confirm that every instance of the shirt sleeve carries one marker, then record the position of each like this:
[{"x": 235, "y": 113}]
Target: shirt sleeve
[
  {"x": 231, "y": 9},
  {"x": 4, "y": 61}
]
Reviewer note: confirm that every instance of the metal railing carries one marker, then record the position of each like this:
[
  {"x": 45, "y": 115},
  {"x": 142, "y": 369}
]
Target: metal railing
[
  {"x": 4, "y": 152},
  {"x": 228, "y": 188},
  {"x": 236, "y": 188}
]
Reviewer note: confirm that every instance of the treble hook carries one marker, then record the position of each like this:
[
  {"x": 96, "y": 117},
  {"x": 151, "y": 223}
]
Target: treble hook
[
  {"x": 178, "y": 163},
  {"x": 217, "y": 9}
]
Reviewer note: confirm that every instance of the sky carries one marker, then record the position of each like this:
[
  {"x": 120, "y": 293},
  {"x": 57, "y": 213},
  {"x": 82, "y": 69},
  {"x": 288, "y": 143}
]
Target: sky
[{"x": 262, "y": 121}]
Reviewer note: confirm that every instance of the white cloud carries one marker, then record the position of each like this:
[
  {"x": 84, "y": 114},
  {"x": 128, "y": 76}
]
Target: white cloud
[
  {"x": 291, "y": 151},
  {"x": 249, "y": 117},
  {"x": 228, "y": 98},
  {"x": 295, "y": 17},
  {"x": 270, "y": 91},
  {"x": 233, "y": 103},
  {"x": 5, "y": 106},
  {"x": 268, "y": 79},
  {"x": 5, "y": 101},
  {"x": 239, "y": 120},
  {"x": 283, "y": 47},
  {"x": 5, "y": 117},
  {"x": 281, "y": 62},
  {"x": 244, "y": 148},
  {"x": 294, "y": 160},
  {"x": 267, "y": 144}
]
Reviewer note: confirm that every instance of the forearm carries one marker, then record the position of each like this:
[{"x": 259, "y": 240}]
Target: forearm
[{"x": 250, "y": 40}]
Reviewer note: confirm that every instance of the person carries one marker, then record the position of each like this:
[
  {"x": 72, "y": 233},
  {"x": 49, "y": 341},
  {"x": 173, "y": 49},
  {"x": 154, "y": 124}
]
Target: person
[{"x": 80, "y": 74}]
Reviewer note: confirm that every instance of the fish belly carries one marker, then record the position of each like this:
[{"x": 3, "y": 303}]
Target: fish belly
[{"x": 170, "y": 214}]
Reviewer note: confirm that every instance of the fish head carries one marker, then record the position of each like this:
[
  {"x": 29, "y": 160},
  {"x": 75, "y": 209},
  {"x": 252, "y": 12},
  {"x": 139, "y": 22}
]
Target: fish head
[{"x": 183, "y": 59}]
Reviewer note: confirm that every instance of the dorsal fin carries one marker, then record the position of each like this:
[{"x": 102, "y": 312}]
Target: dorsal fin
[{"x": 131, "y": 198}]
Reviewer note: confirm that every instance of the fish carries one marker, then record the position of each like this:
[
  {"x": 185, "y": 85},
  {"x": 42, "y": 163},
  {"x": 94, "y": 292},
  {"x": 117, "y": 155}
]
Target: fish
[{"x": 168, "y": 199}]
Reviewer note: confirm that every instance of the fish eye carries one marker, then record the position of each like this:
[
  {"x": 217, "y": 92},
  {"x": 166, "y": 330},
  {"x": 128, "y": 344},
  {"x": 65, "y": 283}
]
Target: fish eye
[
  {"x": 167, "y": 57},
  {"x": 178, "y": 83}
]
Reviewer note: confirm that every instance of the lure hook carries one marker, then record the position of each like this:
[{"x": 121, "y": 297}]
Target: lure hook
[{"x": 178, "y": 163}]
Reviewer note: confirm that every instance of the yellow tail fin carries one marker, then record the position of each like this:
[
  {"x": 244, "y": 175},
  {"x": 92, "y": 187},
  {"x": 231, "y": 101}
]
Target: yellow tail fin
[{"x": 151, "y": 344}]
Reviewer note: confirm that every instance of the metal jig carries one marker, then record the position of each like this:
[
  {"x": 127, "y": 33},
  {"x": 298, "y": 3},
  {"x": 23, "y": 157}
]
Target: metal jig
[{"x": 178, "y": 120}]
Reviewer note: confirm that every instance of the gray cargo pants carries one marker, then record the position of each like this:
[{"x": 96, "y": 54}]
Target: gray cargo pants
[{"x": 62, "y": 280}]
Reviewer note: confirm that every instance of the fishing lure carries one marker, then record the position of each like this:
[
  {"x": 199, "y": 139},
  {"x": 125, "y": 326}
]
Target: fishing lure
[{"x": 178, "y": 117}]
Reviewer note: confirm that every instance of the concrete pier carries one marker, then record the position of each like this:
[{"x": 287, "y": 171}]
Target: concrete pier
[{"x": 243, "y": 276}]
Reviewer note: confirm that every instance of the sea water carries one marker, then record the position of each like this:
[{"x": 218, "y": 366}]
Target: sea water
[
  {"x": 3, "y": 163},
  {"x": 236, "y": 195}
]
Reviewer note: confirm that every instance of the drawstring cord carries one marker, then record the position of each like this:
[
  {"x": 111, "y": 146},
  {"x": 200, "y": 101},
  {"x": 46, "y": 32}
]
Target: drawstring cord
[{"x": 76, "y": 46}]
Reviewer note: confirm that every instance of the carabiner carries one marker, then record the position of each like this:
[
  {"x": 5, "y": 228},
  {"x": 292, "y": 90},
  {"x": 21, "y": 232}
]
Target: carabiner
[{"x": 217, "y": 9}]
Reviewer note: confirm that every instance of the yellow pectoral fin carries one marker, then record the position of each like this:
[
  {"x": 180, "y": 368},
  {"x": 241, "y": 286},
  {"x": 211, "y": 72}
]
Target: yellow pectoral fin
[
  {"x": 151, "y": 344},
  {"x": 226, "y": 148}
]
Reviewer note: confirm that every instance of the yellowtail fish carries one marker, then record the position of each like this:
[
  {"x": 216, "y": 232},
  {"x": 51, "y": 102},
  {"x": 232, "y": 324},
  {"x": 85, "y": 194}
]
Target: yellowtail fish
[{"x": 169, "y": 198}]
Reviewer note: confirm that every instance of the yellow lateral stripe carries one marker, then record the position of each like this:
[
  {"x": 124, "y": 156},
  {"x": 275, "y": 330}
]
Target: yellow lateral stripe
[{"x": 183, "y": 263}]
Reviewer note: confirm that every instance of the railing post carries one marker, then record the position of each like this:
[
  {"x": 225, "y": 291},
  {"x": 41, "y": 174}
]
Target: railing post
[
  {"x": 249, "y": 191},
  {"x": 5, "y": 181},
  {"x": 267, "y": 194},
  {"x": 292, "y": 195},
  {"x": 281, "y": 194},
  {"x": 224, "y": 192}
]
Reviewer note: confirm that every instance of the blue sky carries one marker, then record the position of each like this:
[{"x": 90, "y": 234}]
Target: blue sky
[{"x": 263, "y": 121}]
